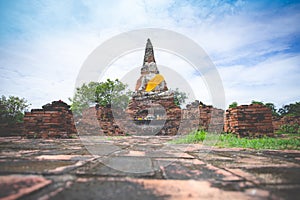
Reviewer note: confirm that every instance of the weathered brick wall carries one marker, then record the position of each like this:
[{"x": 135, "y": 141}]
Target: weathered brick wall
[
  {"x": 98, "y": 121},
  {"x": 249, "y": 120},
  {"x": 101, "y": 120},
  {"x": 211, "y": 119},
  {"x": 286, "y": 120},
  {"x": 203, "y": 117},
  {"x": 88, "y": 123},
  {"x": 170, "y": 120},
  {"x": 189, "y": 119},
  {"x": 54, "y": 120},
  {"x": 107, "y": 121},
  {"x": 11, "y": 129}
]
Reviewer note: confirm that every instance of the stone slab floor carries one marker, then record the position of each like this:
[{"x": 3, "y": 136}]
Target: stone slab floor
[{"x": 145, "y": 167}]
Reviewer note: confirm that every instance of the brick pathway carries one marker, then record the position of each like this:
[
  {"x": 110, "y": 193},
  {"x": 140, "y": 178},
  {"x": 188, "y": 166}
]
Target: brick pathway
[{"x": 142, "y": 168}]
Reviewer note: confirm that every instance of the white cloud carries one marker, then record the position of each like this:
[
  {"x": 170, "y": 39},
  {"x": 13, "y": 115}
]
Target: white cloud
[
  {"x": 275, "y": 80},
  {"x": 43, "y": 62}
]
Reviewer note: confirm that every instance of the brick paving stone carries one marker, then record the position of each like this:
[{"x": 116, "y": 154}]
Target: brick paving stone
[
  {"x": 15, "y": 186},
  {"x": 146, "y": 167},
  {"x": 32, "y": 166}
]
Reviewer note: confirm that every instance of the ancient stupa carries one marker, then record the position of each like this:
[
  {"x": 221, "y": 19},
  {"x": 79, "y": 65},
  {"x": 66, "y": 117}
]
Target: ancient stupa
[
  {"x": 152, "y": 106},
  {"x": 150, "y": 79}
]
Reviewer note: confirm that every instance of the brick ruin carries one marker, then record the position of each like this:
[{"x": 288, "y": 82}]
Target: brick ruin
[
  {"x": 102, "y": 121},
  {"x": 211, "y": 119},
  {"x": 202, "y": 117},
  {"x": 11, "y": 129},
  {"x": 278, "y": 122},
  {"x": 151, "y": 111},
  {"x": 252, "y": 120},
  {"x": 97, "y": 121},
  {"x": 54, "y": 120}
]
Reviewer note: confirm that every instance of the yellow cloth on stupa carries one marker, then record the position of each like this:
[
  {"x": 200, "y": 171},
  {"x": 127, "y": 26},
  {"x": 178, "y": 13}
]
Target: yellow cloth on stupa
[{"x": 155, "y": 81}]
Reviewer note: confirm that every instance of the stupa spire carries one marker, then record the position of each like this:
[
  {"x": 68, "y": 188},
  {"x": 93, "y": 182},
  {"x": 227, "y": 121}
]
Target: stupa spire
[
  {"x": 149, "y": 53},
  {"x": 150, "y": 79}
]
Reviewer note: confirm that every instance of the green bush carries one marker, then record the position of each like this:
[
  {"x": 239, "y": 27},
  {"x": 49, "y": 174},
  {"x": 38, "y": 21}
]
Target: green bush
[
  {"x": 12, "y": 109},
  {"x": 292, "y": 109},
  {"x": 289, "y": 129},
  {"x": 233, "y": 105},
  {"x": 179, "y": 97},
  {"x": 102, "y": 93},
  {"x": 257, "y": 102}
]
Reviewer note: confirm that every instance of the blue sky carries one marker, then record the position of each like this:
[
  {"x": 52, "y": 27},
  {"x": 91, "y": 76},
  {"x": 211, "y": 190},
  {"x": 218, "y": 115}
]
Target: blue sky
[{"x": 255, "y": 45}]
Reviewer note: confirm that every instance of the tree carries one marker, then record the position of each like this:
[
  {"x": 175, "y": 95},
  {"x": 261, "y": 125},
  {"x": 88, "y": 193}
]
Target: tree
[
  {"x": 272, "y": 108},
  {"x": 83, "y": 97},
  {"x": 291, "y": 109},
  {"x": 233, "y": 104},
  {"x": 179, "y": 97},
  {"x": 257, "y": 102},
  {"x": 112, "y": 92},
  {"x": 12, "y": 109},
  {"x": 103, "y": 93}
]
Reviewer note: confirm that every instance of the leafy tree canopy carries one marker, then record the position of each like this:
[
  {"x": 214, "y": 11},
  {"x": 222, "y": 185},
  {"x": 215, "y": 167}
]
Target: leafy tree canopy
[
  {"x": 112, "y": 92},
  {"x": 179, "y": 97},
  {"x": 257, "y": 102},
  {"x": 233, "y": 104},
  {"x": 12, "y": 109},
  {"x": 292, "y": 109},
  {"x": 103, "y": 93},
  {"x": 273, "y": 109}
]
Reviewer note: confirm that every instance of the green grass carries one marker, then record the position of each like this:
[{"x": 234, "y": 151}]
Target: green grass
[
  {"x": 195, "y": 137},
  {"x": 230, "y": 140},
  {"x": 116, "y": 137}
]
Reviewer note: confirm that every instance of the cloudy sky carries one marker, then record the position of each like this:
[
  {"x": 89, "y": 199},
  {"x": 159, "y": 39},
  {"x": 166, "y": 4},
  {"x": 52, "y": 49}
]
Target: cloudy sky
[{"x": 255, "y": 45}]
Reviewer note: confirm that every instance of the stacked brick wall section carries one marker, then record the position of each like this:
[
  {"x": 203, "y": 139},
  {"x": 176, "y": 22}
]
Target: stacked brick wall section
[
  {"x": 108, "y": 124},
  {"x": 199, "y": 116},
  {"x": 97, "y": 120},
  {"x": 189, "y": 119},
  {"x": 249, "y": 120},
  {"x": 169, "y": 121},
  {"x": 102, "y": 121},
  {"x": 11, "y": 129},
  {"x": 88, "y": 123},
  {"x": 211, "y": 119},
  {"x": 285, "y": 120},
  {"x": 54, "y": 120}
]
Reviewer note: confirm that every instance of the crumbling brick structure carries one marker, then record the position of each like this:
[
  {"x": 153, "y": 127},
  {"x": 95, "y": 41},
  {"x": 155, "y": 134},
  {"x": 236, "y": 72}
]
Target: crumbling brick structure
[
  {"x": 98, "y": 120},
  {"x": 151, "y": 110},
  {"x": 211, "y": 119},
  {"x": 249, "y": 120},
  {"x": 202, "y": 117},
  {"x": 11, "y": 129},
  {"x": 167, "y": 113},
  {"x": 189, "y": 119},
  {"x": 102, "y": 121},
  {"x": 278, "y": 122},
  {"x": 111, "y": 121},
  {"x": 54, "y": 120}
]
